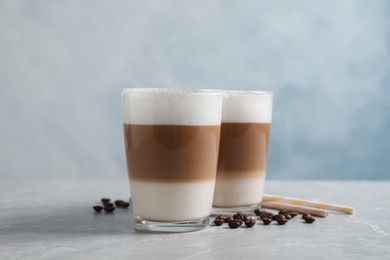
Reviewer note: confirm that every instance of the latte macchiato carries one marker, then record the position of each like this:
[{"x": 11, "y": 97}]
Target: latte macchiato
[
  {"x": 172, "y": 141},
  {"x": 245, "y": 131}
]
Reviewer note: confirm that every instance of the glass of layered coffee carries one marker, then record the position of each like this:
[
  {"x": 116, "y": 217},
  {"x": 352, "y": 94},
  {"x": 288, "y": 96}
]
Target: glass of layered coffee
[
  {"x": 242, "y": 162},
  {"x": 172, "y": 141}
]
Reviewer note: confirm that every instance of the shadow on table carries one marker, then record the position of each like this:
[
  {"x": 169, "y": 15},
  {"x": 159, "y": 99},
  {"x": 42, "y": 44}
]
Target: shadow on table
[{"x": 75, "y": 220}]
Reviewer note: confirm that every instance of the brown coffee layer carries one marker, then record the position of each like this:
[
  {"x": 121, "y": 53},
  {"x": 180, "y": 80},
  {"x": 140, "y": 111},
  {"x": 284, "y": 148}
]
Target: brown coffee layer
[
  {"x": 243, "y": 149},
  {"x": 171, "y": 153}
]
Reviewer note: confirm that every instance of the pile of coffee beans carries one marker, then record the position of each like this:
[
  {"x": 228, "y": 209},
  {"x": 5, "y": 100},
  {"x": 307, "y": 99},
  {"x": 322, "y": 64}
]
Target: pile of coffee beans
[
  {"x": 108, "y": 206},
  {"x": 281, "y": 218},
  {"x": 235, "y": 221}
]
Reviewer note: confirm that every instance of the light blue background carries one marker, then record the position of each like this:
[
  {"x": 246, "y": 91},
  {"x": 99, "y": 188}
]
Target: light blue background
[{"x": 63, "y": 65}]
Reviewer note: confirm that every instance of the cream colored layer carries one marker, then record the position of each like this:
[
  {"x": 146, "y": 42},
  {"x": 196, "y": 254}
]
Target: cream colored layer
[
  {"x": 171, "y": 201},
  {"x": 237, "y": 192}
]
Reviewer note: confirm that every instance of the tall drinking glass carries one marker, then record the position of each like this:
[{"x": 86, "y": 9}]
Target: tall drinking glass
[
  {"x": 242, "y": 162},
  {"x": 172, "y": 141}
]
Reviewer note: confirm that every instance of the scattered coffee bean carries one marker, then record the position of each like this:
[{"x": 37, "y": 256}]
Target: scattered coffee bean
[
  {"x": 108, "y": 204},
  {"x": 309, "y": 219},
  {"x": 109, "y": 209},
  {"x": 282, "y": 221},
  {"x": 293, "y": 214},
  {"x": 258, "y": 211},
  {"x": 235, "y": 223},
  {"x": 278, "y": 216},
  {"x": 239, "y": 216},
  {"x": 287, "y": 216},
  {"x": 98, "y": 209},
  {"x": 246, "y": 217},
  {"x": 125, "y": 205},
  {"x": 219, "y": 221},
  {"x": 283, "y": 211},
  {"x": 228, "y": 219},
  {"x": 119, "y": 203},
  {"x": 306, "y": 215},
  {"x": 250, "y": 222},
  {"x": 266, "y": 214},
  {"x": 267, "y": 221},
  {"x": 105, "y": 200}
]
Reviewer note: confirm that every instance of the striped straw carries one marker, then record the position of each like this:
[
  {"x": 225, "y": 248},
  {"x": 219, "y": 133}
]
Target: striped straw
[
  {"x": 297, "y": 208},
  {"x": 308, "y": 203}
]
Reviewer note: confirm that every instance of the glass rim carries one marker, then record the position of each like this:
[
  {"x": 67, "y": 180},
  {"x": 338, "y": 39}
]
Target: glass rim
[
  {"x": 173, "y": 91},
  {"x": 248, "y": 92}
]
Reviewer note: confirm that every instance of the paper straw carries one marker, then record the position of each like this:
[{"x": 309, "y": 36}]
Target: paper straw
[
  {"x": 297, "y": 208},
  {"x": 308, "y": 203}
]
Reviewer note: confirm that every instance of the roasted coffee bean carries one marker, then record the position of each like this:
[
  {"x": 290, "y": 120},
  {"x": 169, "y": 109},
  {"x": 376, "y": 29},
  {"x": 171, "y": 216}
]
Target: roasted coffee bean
[
  {"x": 219, "y": 221},
  {"x": 105, "y": 200},
  {"x": 228, "y": 219},
  {"x": 109, "y": 209},
  {"x": 266, "y": 215},
  {"x": 306, "y": 215},
  {"x": 258, "y": 211},
  {"x": 282, "y": 221},
  {"x": 287, "y": 216},
  {"x": 283, "y": 211},
  {"x": 278, "y": 216},
  {"x": 221, "y": 217},
  {"x": 235, "y": 223},
  {"x": 309, "y": 219},
  {"x": 250, "y": 222},
  {"x": 239, "y": 216},
  {"x": 125, "y": 205},
  {"x": 118, "y": 203},
  {"x": 98, "y": 209},
  {"x": 246, "y": 217},
  {"x": 108, "y": 204},
  {"x": 293, "y": 214},
  {"x": 267, "y": 221}
]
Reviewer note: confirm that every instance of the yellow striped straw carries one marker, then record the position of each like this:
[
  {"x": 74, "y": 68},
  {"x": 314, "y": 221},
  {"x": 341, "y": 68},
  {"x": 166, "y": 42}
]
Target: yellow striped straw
[
  {"x": 297, "y": 208},
  {"x": 308, "y": 203}
]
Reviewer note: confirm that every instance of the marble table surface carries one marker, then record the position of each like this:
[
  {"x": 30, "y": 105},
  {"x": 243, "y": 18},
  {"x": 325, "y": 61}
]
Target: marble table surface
[{"x": 54, "y": 220}]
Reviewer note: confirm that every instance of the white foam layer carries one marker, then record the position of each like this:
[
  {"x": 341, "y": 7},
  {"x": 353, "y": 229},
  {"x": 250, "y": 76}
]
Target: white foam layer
[
  {"x": 172, "y": 201},
  {"x": 238, "y": 192},
  {"x": 247, "y": 106},
  {"x": 172, "y": 106}
]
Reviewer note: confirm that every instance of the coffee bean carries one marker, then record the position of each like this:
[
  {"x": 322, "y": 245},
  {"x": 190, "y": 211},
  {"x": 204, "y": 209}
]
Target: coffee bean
[
  {"x": 221, "y": 217},
  {"x": 109, "y": 209},
  {"x": 98, "y": 209},
  {"x": 105, "y": 200},
  {"x": 246, "y": 217},
  {"x": 219, "y": 221},
  {"x": 119, "y": 203},
  {"x": 309, "y": 219},
  {"x": 293, "y": 214},
  {"x": 283, "y": 211},
  {"x": 250, "y": 222},
  {"x": 266, "y": 214},
  {"x": 306, "y": 215},
  {"x": 125, "y": 205},
  {"x": 228, "y": 219},
  {"x": 278, "y": 216},
  {"x": 287, "y": 216},
  {"x": 238, "y": 216},
  {"x": 258, "y": 211},
  {"x": 267, "y": 221},
  {"x": 235, "y": 223},
  {"x": 282, "y": 221},
  {"x": 108, "y": 204}
]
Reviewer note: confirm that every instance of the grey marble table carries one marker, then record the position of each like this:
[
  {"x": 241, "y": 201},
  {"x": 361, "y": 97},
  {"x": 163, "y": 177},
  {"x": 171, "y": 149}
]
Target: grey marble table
[{"x": 47, "y": 220}]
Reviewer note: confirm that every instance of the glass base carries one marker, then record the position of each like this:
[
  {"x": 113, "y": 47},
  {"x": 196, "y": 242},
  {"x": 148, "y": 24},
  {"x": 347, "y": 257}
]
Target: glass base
[
  {"x": 234, "y": 210},
  {"x": 170, "y": 227}
]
